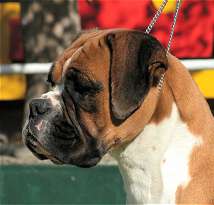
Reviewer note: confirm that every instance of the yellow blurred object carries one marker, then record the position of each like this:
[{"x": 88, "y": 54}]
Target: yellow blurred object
[
  {"x": 7, "y": 12},
  {"x": 205, "y": 81},
  {"x": 12, "y": 8},
  {"x": 12, "y": 87},
  {"x": 170, "y": 6}
]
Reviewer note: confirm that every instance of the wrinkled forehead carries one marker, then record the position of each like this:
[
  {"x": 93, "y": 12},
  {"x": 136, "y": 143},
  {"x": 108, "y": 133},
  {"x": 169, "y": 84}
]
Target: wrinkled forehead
[{"x": 83, "y": 54}]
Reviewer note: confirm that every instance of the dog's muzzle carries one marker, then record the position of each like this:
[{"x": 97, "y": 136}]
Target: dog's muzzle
[
  {"x": 49, "y": 134},
  {"x": 40, "y": 112}
]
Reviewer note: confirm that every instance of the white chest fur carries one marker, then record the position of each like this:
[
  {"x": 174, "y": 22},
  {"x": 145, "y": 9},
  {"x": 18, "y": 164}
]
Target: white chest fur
[{"x": 156, "y": 162}]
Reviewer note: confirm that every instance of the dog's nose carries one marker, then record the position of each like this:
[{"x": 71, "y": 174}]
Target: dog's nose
[{"x": 39, "y": 107}]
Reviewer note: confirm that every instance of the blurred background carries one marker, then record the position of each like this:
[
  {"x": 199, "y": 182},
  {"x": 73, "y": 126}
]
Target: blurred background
[{"x": 34, "y": 32}]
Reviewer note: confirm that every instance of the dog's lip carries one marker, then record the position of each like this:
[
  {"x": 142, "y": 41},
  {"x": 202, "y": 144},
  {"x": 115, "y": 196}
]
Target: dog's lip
[
  {"x": 32, "y": 148},
  {"x": 39, "y": 151}
]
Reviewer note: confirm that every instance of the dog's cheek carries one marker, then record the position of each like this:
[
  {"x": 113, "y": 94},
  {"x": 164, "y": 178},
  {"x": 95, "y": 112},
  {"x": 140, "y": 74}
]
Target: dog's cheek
[{"x": 89, "y": 123}]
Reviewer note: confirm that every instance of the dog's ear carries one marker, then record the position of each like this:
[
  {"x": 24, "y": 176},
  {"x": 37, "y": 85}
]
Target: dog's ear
[{"x": 137, "y": 62}]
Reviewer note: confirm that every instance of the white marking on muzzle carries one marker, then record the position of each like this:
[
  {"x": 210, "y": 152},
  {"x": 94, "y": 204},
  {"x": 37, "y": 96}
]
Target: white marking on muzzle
[
  {"x": 40, "y": 125},
  {"x": 53, "y": 96}
]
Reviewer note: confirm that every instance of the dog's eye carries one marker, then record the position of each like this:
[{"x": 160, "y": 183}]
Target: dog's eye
[
  {"x": 81, "y": 83},
  {"x": 82, "y": 90},
  {"x": 78, "y": 87}
]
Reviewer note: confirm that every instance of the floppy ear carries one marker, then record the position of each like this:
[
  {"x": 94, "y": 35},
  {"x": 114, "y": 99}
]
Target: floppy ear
[{"x": 137, "y": 62}]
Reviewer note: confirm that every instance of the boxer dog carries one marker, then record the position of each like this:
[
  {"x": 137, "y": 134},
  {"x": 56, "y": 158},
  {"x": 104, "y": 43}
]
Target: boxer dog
[{"x": 113, "y": 97}]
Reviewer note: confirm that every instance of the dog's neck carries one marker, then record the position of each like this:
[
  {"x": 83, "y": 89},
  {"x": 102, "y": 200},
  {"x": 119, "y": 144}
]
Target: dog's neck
[{"x": 156, "y": 165}]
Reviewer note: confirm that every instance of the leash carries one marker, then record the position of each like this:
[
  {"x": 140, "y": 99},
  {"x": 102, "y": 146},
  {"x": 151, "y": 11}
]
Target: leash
[
  {"x": 152, "y": 23},
  {"x": 157, "y": 15}
]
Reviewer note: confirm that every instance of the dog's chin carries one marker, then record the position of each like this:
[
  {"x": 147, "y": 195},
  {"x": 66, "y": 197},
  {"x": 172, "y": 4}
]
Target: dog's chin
[{"x": 89, "y": 163}]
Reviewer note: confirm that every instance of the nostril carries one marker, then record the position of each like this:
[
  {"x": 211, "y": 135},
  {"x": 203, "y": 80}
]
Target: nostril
[
  {"x": 38, "y": 107},
  {"x": 42, "y": 108}
]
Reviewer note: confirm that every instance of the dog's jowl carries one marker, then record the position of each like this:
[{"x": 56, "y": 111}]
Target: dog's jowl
[{"x": 114, "y": 98}]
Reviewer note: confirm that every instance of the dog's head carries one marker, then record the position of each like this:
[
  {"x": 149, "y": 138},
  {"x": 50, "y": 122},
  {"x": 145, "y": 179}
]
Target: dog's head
[{"x": 108, "y": 83}]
